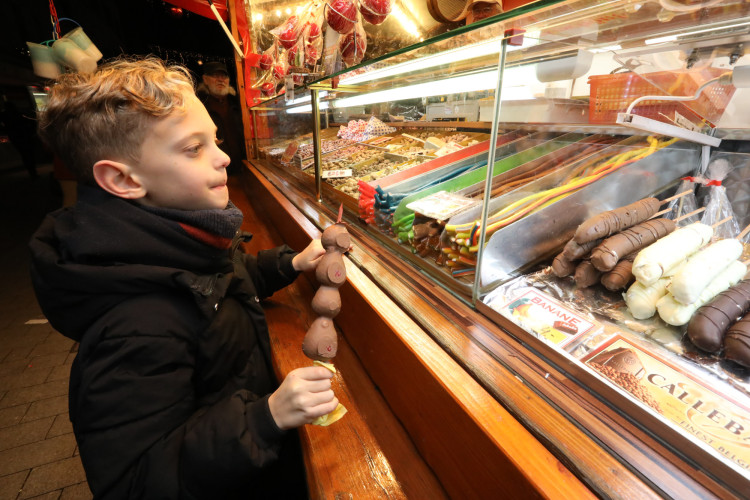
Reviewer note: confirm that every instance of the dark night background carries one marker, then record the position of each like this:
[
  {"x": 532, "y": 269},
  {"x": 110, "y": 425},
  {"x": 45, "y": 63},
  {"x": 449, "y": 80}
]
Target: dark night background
[{"x": 117, "y": 27}]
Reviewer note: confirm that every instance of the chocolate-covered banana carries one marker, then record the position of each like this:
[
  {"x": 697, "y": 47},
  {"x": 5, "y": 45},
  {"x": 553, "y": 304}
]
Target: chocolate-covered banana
[
  {"x": 563, "y": 267},
  {"x": 665, "y": 253},
  {"x": 613, "y": 221},
  {"x": 710, "y": 322},
  {"x": 586, "y": 274},
  {"x": 574, "y": 251},
  {"x": 678, "y": 314},
  {"x": 621, "y": 275},
  {"x": 702, "y": 268},
  {"x": 606, "y": 255},
  {"x": 737, "y": 342}
]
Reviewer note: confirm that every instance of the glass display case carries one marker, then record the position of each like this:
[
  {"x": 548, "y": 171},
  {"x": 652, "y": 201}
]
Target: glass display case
[{"x": 475, "y": 152}]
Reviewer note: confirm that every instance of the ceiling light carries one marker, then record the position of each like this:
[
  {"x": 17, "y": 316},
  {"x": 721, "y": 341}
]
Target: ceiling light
[{"x": 483, "y": 49}]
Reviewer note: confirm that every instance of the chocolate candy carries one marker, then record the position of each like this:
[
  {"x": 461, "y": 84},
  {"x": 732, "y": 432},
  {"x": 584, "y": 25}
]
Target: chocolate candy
[
  {"x": 709, "y": 324},
  {"x": 737, "y": 342}
]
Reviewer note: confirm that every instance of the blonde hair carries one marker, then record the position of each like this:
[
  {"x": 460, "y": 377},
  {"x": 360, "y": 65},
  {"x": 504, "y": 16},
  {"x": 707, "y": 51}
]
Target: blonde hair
[{"x": 107, "y": 114}]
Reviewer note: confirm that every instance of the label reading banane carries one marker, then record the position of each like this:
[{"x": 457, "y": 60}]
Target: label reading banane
[{"x": 539, "y": 313}]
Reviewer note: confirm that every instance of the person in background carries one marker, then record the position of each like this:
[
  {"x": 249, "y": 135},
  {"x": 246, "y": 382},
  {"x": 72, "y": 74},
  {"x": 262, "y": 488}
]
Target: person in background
[
  {"x": 172, "y": 391},
  {"x": 21, "y": 130},
  {"x": 222, "y": 103}
]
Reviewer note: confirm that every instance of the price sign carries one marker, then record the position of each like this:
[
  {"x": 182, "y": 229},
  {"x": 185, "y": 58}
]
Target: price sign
[{"x": 336, "y": 174}]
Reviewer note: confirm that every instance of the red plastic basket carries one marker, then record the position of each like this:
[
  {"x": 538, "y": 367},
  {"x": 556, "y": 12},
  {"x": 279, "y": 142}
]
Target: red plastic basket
[{"x": 612, "y": 94}]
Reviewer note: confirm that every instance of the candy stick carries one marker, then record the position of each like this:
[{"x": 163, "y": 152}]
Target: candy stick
[
  {"x": 657, "y": 214},
  {"x": 666, "y": 210},
  {"x": 694, "y": 212},
  {"x": 722, "y": 222},
  {"x": 743, "y": 233},
  {"x": 680, "y": 195}
]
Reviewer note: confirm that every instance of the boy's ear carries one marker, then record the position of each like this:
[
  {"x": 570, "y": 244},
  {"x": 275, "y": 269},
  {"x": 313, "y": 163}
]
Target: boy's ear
[{"x": 117, "y": 178}]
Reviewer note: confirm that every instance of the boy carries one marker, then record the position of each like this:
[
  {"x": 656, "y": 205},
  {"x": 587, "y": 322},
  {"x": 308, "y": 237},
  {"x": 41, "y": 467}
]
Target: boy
[{"x": 172, "y": 393}]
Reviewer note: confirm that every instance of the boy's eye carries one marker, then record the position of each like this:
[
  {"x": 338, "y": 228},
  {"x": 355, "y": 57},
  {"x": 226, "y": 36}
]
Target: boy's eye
[{"x": 194, "y": 149}]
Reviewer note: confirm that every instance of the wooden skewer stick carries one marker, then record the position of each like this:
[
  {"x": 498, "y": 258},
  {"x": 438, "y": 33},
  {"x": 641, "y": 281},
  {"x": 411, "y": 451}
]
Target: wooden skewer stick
[
  {"x": 722, "y": 222},
  {"x": 694, "y": 212},
  {"x": 657, "y": 214},
  {"x": 680, "y": 195},
  {"x": 743, "y": 233}
]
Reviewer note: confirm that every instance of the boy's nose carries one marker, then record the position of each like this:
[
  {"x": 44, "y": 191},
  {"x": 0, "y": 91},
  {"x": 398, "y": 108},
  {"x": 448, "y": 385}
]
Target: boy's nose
[{"x": 225, "y": 160}]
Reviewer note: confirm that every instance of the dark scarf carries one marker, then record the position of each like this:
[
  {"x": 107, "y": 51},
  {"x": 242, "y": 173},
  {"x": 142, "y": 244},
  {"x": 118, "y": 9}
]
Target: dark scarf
[{"x": 215, "y": 227}]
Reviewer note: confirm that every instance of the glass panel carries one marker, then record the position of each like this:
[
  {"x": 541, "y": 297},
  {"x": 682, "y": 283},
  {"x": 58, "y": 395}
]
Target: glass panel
[
  {"x": 285, "y": 135},
  {"x": 405, "y": 142}
]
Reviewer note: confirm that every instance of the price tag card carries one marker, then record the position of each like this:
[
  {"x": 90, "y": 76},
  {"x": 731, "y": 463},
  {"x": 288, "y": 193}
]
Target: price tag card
[
  {"x": 289, "y": 152},
  {"x": 336, "y": 174},
  {"x": 441, "y": 205}
]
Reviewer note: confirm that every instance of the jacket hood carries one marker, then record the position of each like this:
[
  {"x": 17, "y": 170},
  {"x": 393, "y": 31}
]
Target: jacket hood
[{"x": 102, "y": 251}]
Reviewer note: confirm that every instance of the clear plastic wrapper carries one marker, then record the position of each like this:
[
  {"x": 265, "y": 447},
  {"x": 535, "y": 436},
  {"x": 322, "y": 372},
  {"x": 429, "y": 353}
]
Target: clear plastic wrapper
[
  {"x": 684, "y": 204},
  {"x": 353, "y": 45},
  {"x": 375, "y": 11},
  {"x": 280, "y": 69},
  {"x": 718, "y": 207},
  {"x": 288, "y": 32},
  {"x": 268, "y": 57},
  {"x": 295, "y": 55},
  {"x": 341, "y": 15},
  {"x": 267, "y": 84},
  {"x": 404, "y": 111}
]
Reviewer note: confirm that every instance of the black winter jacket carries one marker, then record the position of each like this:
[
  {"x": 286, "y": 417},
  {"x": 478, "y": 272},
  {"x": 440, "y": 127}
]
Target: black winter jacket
[{"x": 169, "y": 389}]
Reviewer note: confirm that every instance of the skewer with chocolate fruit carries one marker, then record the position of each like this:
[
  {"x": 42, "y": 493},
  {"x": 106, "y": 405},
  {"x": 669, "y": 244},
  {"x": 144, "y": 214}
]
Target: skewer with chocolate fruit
[{"x": 320, "y": 343}]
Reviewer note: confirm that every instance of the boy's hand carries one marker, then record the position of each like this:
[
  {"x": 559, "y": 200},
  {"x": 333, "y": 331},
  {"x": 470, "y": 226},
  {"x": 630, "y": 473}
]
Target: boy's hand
[
  {"x": 304, "y": 395},
  {"x": 308, "y": 259}
]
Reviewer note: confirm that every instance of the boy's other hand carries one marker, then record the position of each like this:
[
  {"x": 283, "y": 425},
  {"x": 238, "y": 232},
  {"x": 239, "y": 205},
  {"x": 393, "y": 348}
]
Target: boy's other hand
[
  {"x": 304, "y": 395},
  {"x": 308, "y": 259}
]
